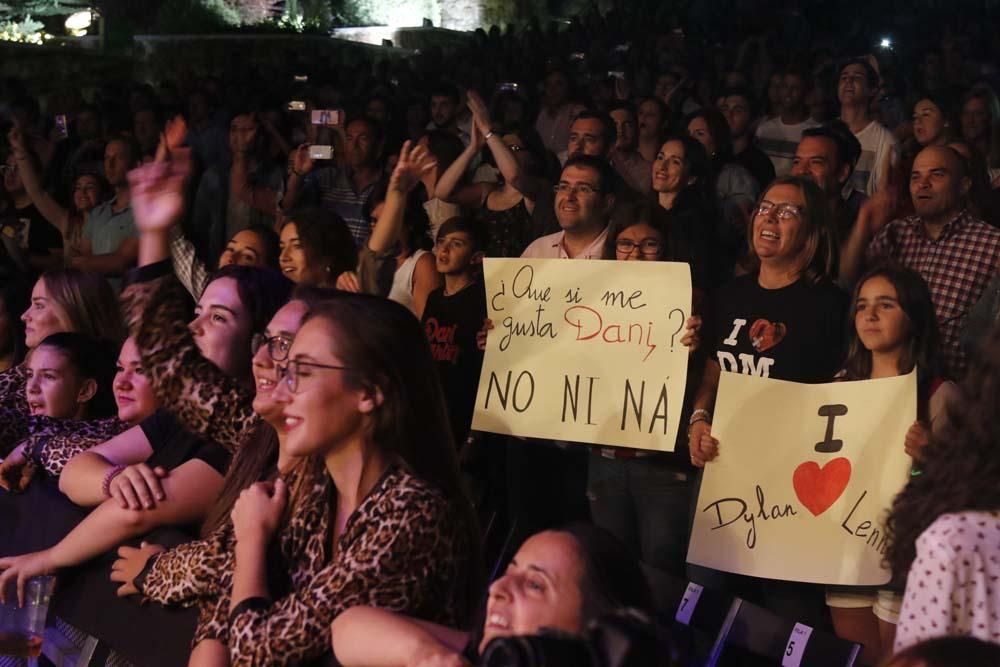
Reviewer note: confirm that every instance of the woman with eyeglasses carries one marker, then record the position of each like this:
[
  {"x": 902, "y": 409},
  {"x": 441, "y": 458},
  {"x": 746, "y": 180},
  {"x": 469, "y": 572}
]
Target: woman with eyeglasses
[
  {"x": 783, "y": 320},
  {"x": 643, "y": 497},
  {"x": 371, "y": 513},
  {"x": 507, "y": 208}
]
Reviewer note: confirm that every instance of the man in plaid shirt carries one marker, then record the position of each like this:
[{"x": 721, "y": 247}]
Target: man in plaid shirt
[{"x": 954, "y": 252}]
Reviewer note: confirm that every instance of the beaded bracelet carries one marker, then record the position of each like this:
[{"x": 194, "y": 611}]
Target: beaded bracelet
[{"x": 108, "y": 477}]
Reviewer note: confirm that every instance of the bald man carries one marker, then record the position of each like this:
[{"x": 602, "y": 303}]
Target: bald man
[{"x": 954, "y": 252}]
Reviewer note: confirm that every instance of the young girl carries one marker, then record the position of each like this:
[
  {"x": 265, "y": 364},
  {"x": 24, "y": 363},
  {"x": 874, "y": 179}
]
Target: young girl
[
  {"x": 895, "y": 330},
  {"x": 69, "y": 377},
  {"x": 62, "y": 300},
  {"x": 55, "y": 440}
]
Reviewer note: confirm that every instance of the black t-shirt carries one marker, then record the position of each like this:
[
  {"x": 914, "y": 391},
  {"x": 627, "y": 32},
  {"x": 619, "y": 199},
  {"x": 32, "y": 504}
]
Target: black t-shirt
[
  {"x": 451, "y": 324},
  {"x": 794, "y": 333},
  {"x": 173, "y": 444},
  {"x": 41, "y": 235}
]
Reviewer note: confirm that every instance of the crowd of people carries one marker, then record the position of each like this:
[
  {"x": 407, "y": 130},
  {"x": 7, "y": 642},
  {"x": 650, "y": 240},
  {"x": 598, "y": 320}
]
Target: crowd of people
[{"x": 242, "y": 322}]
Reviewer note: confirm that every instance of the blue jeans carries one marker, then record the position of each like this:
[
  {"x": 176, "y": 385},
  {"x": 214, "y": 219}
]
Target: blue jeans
[{"x": 644, "y": 502}]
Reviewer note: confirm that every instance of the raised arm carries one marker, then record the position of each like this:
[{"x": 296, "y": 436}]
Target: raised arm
[
  {"x": 448, "y": 186},
  {"x": 507, "y": 163},
  {"x": 46, "y": 205},
  {"x": 413, "y": 163}
]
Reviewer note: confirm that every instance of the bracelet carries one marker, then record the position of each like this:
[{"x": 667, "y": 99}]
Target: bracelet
[
  {"x": 108, "y": 477},
  {"x": 489, "y": 134},
  {"x": 700, "y": 415}
]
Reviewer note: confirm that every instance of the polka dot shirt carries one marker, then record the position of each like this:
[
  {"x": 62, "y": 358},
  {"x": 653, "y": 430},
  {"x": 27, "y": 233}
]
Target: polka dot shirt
[{"x": 952, "y": 587}]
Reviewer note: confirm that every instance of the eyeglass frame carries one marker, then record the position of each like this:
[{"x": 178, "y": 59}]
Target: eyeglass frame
[
  {"x": 259, "y": 340},
  {"x": 291, "y": 377},
  {"x": 658, "y": 242},
  {"x": 779, "y": 209},
  {"x": 578, "y": 189}
]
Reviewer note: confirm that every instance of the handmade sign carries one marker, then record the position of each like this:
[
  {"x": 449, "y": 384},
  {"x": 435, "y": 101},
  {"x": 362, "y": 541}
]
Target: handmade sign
[
  {"x": 804, "y": 478},
  {"x": 585, "y": 351}
]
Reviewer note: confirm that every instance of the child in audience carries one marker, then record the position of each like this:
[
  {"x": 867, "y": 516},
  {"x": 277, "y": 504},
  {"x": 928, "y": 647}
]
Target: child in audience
[
  {"x": 944, "y": 526},
  {"x": 453, "y": 316},
  {"x": 69, "y": 392},
  {"x": 560, "y": 579},
  {"x": 62, "y": 300},
  {"x": 895, "y": 331}
]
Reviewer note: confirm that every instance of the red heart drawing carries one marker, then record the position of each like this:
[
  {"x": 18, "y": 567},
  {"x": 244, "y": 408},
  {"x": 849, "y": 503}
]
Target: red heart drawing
[
  {"x": 765, "y": 334},
  {"x": 818, "y": 488}
]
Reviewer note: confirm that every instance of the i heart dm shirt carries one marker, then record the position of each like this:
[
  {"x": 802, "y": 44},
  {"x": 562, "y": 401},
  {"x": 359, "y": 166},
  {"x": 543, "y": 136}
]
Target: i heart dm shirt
[{"x": 794, "y": 333}]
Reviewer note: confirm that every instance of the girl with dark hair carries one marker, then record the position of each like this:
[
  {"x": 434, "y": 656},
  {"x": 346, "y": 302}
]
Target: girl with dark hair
[
  {"x": 506, "y": 208},
  {"x": 56, "y": 438},
  {"x": 62, "y": 300},
  {"x": 316, "y": 247},
  {"x": 682, "y": 181},
  {"x": 783, "y": 320},
  {"x": 943, "y": 526},
  {"x": 736, "y": 190},
  {"x": 933, "y": 124},
  {"x": 559, "y": 579},
  {"x": 69, "y": 377},
  {"x": 895, "y": 331},
  {"x": 257, "y": 245},
  {"x": 980, "y": 124}
]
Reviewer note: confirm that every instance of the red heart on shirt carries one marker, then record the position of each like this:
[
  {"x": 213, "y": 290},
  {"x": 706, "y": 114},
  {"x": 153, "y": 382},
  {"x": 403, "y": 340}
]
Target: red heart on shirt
[
  {"x": 819, "y": 488},
  {"x": 765, "y": 334}
]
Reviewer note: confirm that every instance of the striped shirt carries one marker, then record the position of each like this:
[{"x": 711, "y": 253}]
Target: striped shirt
[
  {"x": 779, "y": 141},
  {"x": 337, "y": 194}
]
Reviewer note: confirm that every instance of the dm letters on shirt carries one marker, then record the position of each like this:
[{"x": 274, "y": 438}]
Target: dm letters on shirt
[
  {"x": 804, "y": 480},
  {"x": 585, "y": 351}
]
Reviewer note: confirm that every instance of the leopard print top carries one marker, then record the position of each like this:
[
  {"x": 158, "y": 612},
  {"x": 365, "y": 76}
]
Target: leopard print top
[
  {"x": 402, "y": 550},
  {"x": 205, "y": 400},
  {"x": 53, "y": 442},
  {"x": 13, "y": 408}
]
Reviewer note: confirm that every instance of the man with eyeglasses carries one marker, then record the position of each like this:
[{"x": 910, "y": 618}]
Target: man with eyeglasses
[{"x": 582, "y": 205}]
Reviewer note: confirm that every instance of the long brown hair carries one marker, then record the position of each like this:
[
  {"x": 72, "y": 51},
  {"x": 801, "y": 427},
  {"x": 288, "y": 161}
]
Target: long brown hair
[
  {"x": 961, "y": 467},
  {"x": 923, "y": 338},
  {"x": 386, "y": 349},
  {"x": 821, "y": 246},
  {"x": 88, "y": 301}
]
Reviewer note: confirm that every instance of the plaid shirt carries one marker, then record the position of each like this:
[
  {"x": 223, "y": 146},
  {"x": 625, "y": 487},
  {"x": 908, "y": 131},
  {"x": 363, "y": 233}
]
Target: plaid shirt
[{"x": 956, "y": 266}]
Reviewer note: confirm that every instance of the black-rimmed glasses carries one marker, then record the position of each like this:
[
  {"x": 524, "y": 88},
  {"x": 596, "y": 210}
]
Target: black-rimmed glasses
[
  {"x": 277, "y": 346},
  {"x": 292, "y": 371}
]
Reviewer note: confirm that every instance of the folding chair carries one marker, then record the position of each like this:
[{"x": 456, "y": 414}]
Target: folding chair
[{"x": 787, "y": 643}]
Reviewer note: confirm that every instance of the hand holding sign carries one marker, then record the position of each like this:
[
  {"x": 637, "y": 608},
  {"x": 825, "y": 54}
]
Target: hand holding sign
[
  {"x": 804, "y": 488},
  {"x": 586, "y": 351}
]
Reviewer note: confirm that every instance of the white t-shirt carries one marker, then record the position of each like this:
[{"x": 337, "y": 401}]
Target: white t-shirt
[
  {"x": 779, "y": 141},
  {"x": 875, "y": 142},
  {"x": 952, "y": 587}
]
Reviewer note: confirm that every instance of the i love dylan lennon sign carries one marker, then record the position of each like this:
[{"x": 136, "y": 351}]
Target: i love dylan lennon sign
[{"x": 805, "y": 478}]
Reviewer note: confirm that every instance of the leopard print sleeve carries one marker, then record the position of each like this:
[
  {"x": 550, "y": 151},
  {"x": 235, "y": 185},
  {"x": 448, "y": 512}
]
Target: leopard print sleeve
[
  {"x": 191, "y": 572},
  {"x": 398, "y": 552},
  {"x": 53, "y": 442},
  {"x": 205, "y": 400},
  {"x": 13, "y": 408}
]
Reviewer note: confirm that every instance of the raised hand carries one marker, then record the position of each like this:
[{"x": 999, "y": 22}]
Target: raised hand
[
  {"x": 480, "y": 113},
  {"x": 302, "y": 164},
  {"x": 157, "y": 188},
  {"x": 16, "y": 140},
  {"x": 413, "y": 164}
]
